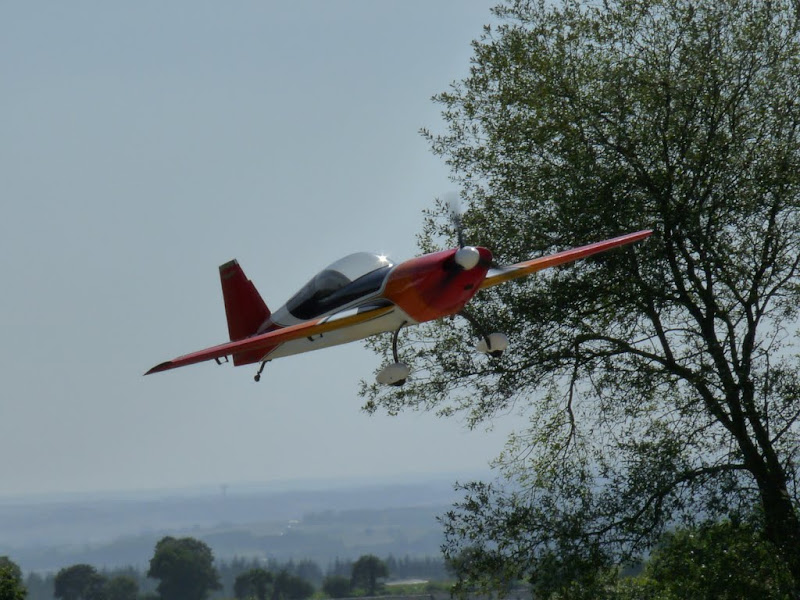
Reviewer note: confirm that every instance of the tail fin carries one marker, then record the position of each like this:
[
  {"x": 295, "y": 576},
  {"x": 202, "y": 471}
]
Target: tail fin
[{"x": 244, "y": 307}]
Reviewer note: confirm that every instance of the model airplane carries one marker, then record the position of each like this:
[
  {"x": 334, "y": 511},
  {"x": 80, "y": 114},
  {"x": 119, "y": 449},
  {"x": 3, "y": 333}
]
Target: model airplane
[{"x": 366, "y": 294}]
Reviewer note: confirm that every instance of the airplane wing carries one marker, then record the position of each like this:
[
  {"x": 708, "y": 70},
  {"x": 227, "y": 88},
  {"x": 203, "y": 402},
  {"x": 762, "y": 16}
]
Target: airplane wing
[
  {"x": 497, "y": 276},
  {"x": 272, "y": 339}
]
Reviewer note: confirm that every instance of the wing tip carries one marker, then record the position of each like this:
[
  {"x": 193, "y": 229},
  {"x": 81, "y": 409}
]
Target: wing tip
[{"x": 164, "y": 366}]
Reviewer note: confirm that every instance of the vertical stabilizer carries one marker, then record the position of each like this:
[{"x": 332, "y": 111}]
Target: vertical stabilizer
[{"x": 244, "y": 307}]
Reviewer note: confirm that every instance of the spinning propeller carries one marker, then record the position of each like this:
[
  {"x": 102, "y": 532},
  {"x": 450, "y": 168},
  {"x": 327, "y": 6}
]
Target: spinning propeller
[{"x": 466, "y": 257}]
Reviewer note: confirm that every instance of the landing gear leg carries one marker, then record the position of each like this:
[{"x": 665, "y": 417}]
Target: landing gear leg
[
  {"x": 261, "y": 368},
  {"x": 396, "y": 373},
  {"x": 493, "y": 344},
  {"x": 394, "y": 341},
  {"x": 474, "y": 322}
]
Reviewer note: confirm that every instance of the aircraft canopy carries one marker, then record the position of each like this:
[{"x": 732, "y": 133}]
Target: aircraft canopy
[{"x": 341, "y": 282}]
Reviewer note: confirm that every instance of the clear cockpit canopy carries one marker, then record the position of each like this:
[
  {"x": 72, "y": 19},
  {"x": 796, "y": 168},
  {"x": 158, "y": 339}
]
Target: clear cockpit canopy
[
  {"x": 355, "y": 276},
  {"x": 359, "y": 264}
]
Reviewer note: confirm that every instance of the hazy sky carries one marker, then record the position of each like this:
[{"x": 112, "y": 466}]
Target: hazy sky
[{"x": 142, "y": 144}]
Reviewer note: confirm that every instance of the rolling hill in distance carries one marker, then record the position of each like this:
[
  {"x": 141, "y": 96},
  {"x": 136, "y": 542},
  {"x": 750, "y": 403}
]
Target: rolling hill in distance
[{"x": 318, "y": 520}]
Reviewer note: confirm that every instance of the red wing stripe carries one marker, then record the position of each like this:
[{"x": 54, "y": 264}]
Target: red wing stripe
[
  {"x": 559, "y": 258},
  {"x": 271, "y": 339}
]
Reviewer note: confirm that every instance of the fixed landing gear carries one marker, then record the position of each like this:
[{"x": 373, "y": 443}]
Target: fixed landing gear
[
  {"x": 493, "y": 344},
  {"x": 258, "y": 375},
  {"x": 396, "y": 373}
]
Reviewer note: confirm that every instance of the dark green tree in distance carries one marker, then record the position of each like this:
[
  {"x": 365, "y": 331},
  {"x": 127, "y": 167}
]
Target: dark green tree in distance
[
  {"x": 11, "y": 587},
  {"x": 661, "y": 381},
  {"x": 184, "y": 568},
  {"x": 122, "y": 587},
  {"x": 79, "y": 582},
  {"x": 310, "y": 571},
  {"x": 255, "y": 583},
  {"x": 290, "y": 587},
  {"x": 367, "y": 570},
  {"x": 336, "y": 586}
]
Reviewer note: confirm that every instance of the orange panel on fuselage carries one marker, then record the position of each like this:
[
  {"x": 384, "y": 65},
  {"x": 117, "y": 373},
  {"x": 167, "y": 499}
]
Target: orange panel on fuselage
[{"x": 433, "y": 286}]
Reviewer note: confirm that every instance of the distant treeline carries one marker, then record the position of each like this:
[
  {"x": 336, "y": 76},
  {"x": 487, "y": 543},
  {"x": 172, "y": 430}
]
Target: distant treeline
[
  {"x": 41, "y": 586},
  {"x": 406, "y": 567}
]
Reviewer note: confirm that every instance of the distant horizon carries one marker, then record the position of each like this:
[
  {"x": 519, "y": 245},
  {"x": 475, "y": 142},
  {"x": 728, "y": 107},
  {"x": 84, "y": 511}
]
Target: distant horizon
[{"x": 277, "y": 486}]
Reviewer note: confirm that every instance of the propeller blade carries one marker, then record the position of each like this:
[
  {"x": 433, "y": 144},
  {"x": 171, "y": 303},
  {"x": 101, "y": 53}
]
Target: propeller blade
[{"x": 453, "y": 203}]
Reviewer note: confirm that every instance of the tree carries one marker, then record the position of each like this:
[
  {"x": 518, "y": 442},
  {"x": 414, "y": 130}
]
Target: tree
[
  {"x": 717, "y": 560},
  {"x": 659, "y": 381},
  {"x": 309, "y": 571},
  {"x": 255, "y": 583},
  {"x": 290, "y": 587},
  {"x": 122, "y": 587},
  {"x": 12, "y": 568},
  {"x": 185, "y": 568},
  {"x": 79, "y": 582},
  {"x": 366, "y": 572},
  {"x": 336, "y": 586},
  {"x": 11, "y": 587}
]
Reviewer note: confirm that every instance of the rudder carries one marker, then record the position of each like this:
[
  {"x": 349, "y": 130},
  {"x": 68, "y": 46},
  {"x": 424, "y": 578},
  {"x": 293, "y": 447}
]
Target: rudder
[{"x": 244, "y": 307}]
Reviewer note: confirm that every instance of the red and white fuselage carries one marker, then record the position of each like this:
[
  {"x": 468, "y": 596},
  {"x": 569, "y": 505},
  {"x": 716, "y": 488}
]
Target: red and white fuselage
[{"x": 363, "y": 295}]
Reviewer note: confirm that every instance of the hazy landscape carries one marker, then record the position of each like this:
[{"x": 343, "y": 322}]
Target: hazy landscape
[{"x": 317, "y": 520}]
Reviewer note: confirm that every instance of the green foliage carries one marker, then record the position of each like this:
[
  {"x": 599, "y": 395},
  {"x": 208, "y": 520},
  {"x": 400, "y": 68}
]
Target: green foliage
[
  {"x": 11, "y": 587},
  {"x": 291, "y": 587},
  {"x": 242, "y": 579},
  {"x": 336, "y": 586},
  {"x": 661, "y": 381},
  {"x": 122, "y": 587},
  {"x": 12, "y": 568},
  {"x": 307, "y": 570},
  {"x": 713, "y": 561},
  {"x": 367, "y": 570},
  {"x": 79, "y": 582},
  {"x": 184, "y": 568},
  {"x": 636, "y": 588},
  {"x": 255, "y": 583},
  {"x": 718, "y": 560}
]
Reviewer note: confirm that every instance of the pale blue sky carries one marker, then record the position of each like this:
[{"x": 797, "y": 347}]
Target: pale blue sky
[{"x": 142, "y": 144}]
